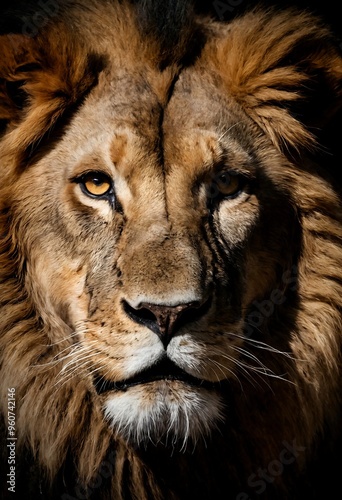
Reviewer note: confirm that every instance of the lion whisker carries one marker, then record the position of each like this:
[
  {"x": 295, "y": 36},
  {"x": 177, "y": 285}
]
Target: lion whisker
[
  {"x": 236, "y": 362},
  {"x": 262, "y": 345},
  {"x": 68, "y": 337},
  {"x": 251, "y": 356},
  {"x": 220, "y": 367}
]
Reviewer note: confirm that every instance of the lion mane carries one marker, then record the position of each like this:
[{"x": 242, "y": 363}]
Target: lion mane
[{"x": 170, "y": 255}]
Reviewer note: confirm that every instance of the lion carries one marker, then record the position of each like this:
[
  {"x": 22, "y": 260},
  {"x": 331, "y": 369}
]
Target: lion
[{"x": 170, "y": 255}]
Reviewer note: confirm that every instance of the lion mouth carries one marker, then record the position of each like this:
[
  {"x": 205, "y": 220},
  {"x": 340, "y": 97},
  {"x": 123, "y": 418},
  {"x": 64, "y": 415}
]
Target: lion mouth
[{"x": 163, "y": 370}]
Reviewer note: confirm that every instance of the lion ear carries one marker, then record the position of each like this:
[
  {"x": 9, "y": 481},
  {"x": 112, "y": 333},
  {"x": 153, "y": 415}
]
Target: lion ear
[
  {"x": 40, "y": 78},
  {"x": 284, "y": 70}
]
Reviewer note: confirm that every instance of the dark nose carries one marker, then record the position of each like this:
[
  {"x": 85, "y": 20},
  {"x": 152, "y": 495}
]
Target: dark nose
[{"x": 165, "y": 320}]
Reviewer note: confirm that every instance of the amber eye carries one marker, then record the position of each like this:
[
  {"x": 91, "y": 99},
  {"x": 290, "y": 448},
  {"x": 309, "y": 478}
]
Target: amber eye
[
  {"x": 96, "y": 183},
  {"x": 228, "y": 184}
]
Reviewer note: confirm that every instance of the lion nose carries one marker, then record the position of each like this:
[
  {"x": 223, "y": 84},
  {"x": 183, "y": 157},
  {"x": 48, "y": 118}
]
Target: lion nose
[{"x": 166, "y": 320}]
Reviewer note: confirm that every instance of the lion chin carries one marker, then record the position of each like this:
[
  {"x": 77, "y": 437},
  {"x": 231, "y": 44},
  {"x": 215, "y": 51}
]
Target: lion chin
[
  {"x": 166, "y": 411},
  {"x": 170, "y": 253},
  {"x": 162, "y": 404}
]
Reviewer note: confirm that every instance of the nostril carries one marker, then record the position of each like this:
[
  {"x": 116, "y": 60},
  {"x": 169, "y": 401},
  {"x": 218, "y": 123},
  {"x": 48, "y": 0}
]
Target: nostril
[
  {"x": 165, "y": 320},
  {"x": 142, "y": 316},
  {"x": 194, "y": 312}
]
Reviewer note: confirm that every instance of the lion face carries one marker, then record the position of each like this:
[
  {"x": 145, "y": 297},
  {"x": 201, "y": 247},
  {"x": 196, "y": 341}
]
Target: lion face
[{"x": 144, "y": 251}]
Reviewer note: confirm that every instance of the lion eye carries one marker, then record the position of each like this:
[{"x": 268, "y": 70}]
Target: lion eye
[
  {"x": 228, "y": 184},
  {"x": 96, "y": 184}
]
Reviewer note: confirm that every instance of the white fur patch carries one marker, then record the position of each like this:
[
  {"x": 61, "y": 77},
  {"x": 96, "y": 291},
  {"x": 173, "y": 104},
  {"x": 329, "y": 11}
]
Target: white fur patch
[
  {"x": 164, "y": 411},
  {"x": 143, "y": 357}
]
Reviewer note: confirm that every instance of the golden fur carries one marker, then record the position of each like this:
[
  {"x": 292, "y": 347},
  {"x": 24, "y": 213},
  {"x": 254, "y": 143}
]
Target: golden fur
[{"x": 263, "y": 266}]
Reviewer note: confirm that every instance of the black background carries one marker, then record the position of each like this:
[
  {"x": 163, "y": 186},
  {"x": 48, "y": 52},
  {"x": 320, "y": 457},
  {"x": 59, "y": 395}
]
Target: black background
[{"x": 329, "y": 10}]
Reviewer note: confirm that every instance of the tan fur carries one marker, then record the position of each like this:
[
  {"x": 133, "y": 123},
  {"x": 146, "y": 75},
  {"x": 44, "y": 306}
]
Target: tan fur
[{"x": 98, "y": 99}]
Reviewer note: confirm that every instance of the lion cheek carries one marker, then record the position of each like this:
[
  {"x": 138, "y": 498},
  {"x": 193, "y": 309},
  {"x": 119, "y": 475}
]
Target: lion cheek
[
  {"x": 212, "y": 357},
  {"x": 60, "y": 290}
]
